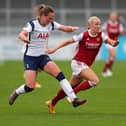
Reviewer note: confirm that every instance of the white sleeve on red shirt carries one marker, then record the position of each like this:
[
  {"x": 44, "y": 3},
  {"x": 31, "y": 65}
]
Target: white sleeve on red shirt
[
  {"x": 104, "y": 26},
  {"x": 121, "y": 29},
  {"x": 104, "y": 36},
  {"x": 78, "y": 37}
]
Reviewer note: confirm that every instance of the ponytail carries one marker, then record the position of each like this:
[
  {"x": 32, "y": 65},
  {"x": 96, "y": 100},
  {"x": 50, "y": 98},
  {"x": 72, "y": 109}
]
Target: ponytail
[{"x": 43, "y": 9}]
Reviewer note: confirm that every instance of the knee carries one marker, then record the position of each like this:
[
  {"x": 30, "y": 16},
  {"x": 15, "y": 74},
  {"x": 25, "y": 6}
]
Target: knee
[
  {"x": 94, "y": 82},
  {"x": 60, "y": 76},
  {"x": 31, "y": 84},
  {"x": 97, "y": 81}
]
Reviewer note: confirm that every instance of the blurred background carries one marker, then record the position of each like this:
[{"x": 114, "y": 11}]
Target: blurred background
[{"x": 15, "y": 13}]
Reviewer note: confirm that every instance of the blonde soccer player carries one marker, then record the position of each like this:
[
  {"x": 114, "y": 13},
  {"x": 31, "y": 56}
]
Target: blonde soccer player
[
  {"x": 89, "y": 44},
  {"x": 113, "y": 28}
]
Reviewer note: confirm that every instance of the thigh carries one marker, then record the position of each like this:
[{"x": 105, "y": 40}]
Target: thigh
[
  {"x": 52, "y": 69},
  {"x": 112, "y": 52},
  {"x": 89, "y": 74},
  {"x": 30, "y": 78},
  {"x": 77, "y": 67}
]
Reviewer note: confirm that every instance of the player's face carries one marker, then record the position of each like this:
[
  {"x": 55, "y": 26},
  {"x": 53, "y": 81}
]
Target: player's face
[
  {"x": 96, "y": 26},
  {"x": 113, "y": 17},
  {"x": 46, "y": 19}
]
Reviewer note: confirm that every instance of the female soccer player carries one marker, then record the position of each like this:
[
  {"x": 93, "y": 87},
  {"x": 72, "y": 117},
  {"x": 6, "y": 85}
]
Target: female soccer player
[
  {"x": 113, "y": 28},
  {"x": 35, "y": 34},
  {"x": 89, "y": 43}
]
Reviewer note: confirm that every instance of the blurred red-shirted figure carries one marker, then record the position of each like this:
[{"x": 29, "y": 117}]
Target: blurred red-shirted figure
[
  {"x": 113, "y": 28},
  {"x": 89, "y": 43}
]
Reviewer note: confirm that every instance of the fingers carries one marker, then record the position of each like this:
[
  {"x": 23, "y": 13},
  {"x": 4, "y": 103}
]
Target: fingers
[
  {"x": 75, "y": 28},
  {"x": 115, "y": 44},
  {"x": 27, "y": 41},
  {"x": 49, "y": 51}
]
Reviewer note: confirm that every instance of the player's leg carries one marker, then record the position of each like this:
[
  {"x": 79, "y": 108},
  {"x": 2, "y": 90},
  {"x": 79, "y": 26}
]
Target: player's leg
[
  {"x": 37, "y": 84},
  {"x": 107, "y": 70},
  {"x": 30, "y": 78},
  {"x": 92, "y": 80},
  {"x": 85, "y": 73},
  {"x": 25, "y": 88},
  {"x": 54, "y": 70},
  {"x": 61, "y": 94}
]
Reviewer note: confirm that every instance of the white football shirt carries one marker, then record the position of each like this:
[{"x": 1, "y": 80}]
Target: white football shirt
[{"x": 38, "y": 35}]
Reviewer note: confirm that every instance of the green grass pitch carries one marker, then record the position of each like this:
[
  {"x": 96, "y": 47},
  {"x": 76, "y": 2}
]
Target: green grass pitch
[{"x": 106, "y": 104}]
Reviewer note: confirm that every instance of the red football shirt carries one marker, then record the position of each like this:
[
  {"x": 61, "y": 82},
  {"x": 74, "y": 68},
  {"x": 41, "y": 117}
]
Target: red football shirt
[
  {"x": 113, "y": 29},
  {"x": 88, "y": 46}
]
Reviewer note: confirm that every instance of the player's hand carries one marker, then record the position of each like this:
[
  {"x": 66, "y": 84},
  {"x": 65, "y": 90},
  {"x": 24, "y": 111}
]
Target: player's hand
[
  {"x": 50, "y": 50},
  {"x": 27, "y": 41},
  {"x": 74, "y": 28},
  {"x": 116, "y": 43}
]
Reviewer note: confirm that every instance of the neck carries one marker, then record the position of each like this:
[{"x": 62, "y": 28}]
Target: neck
[
  {"x": 41, "y": 23},
  {"x": 92, "y": 32}
]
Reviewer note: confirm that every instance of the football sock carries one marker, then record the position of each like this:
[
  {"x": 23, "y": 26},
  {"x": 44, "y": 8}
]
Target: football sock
[
  {"x": 108, "y": 64},
  {"x": 111, "y": 61},
  {"x": 23, "y": 88},
  {"x": 67, "y": 89},
  {"x": 82, "y": 86},
  {"x": 65, "y": 85},
  {"x": 20, "y": 90},
  {"x": 60, "y": 95}
]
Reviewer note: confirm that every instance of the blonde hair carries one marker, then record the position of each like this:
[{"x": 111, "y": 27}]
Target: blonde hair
[
  {"x": 91, "y": 19},
  {"x": 113, "y": 13},
  {"x": 43, "y": 9}
]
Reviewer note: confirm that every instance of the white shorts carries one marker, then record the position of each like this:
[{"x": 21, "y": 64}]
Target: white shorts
[
  {"x": 78, "y": 66},
  {"x": 109, "y": 46}
]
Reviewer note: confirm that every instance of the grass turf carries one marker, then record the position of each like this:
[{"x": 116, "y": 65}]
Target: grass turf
[{"x": 106, "y": 104}]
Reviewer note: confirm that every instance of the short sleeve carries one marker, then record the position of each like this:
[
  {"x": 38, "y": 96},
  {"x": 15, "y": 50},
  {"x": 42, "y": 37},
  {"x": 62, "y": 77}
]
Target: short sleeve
[
  {"x": 56, "y": 25},
  {"x": 78, "y": 37},
  {"x": 28, "y": 27},
  {"x": 104, "y": 26},
  {"x": 121, "y": 28},
  {"x": 104, "y": 36}
]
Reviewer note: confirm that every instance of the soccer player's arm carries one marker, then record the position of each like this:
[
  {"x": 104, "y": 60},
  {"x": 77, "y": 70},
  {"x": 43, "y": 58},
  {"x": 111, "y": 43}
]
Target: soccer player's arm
[
  {"x": 23, "y": 35},
  {"x": 109, "y": 41},
  {"x": 65, "y": 28},
  {"x": 60, "y": 45},
  {"x": 75, "y": 38}
]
